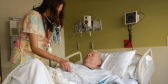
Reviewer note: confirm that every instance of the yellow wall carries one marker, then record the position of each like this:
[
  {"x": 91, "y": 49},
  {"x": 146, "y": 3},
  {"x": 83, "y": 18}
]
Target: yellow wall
[{"x": 150, "y": 32}]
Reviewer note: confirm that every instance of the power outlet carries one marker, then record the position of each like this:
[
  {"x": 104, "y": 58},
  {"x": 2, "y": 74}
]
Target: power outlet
[
  {"x": 91, "y": 45},
  {"x": 77, "y": 46},
  {"x": 127, "y": 44}
]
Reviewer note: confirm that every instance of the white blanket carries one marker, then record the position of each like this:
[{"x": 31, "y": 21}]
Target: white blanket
[
  {"x": 35, "y": 72},
  {"x": 83, "y": 75},
  {"x": 31, "y": 72}
]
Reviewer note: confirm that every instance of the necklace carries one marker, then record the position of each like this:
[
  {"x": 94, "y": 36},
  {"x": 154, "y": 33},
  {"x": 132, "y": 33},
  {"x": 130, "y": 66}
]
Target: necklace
[
  {"x": 47, "y": 17},
  {"x": 46, "y": 32}
]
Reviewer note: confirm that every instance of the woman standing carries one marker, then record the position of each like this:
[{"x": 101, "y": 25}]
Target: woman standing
[{"x": 36, "y": 28}]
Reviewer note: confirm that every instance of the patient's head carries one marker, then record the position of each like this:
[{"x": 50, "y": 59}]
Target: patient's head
[{"x": 92, "y": 60}]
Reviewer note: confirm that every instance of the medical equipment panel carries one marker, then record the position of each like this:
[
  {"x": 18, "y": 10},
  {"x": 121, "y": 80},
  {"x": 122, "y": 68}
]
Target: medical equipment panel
[
  {"x": 97, "y": 25},
  {"x": 12, "y": 42},
  {"x": 87, "y": 22},
  {"x": 14, "y": 30},
  {"x": 55, "y": 35},
  {"x": 131, "y": 18},
  {"x": 87, "y": 25}
]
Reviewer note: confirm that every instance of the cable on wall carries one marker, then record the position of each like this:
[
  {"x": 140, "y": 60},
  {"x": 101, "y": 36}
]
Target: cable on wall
[
  {"x": 143, "y": 17},
  {"x": 130, "y": 35}
]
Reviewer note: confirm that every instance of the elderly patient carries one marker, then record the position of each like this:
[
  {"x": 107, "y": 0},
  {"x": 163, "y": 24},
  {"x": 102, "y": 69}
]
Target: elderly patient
[
  {"x": 88, "y": 73},
  {"x": 92, "y": 60}
]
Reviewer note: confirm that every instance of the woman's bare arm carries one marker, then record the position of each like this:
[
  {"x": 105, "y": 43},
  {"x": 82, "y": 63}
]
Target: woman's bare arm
[
  {"x": 49, "y": 35},
  {"x": 33, "y": 38}
]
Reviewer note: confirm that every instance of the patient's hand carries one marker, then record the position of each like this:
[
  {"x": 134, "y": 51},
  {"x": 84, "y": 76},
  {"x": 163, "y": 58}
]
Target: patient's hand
[{"x": 65, "y": 65}]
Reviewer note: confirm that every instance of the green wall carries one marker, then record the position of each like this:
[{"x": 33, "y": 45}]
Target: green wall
[{"x": 150, "y": 32}]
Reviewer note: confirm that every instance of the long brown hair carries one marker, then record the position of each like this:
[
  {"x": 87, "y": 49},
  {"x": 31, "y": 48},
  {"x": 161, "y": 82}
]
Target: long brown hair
[{"x": 52, "y": 5}]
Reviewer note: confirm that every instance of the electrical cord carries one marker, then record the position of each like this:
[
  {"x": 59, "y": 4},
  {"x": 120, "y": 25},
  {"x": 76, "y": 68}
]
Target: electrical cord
[
  {"x": 130, "y": 32},
  {"x": 130, "y": 35},
  {"x": 143, "y": 17}
]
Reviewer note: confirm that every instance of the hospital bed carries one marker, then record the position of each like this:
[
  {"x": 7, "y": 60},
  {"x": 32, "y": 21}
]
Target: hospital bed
[
  {"x": 30, "y": 71},
  {"x": 144, "y": 71}
]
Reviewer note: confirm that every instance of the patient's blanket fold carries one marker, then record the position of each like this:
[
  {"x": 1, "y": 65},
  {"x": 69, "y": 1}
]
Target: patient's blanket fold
[
  {"x": 34, "y": 72},
  {"x": 57, "y": 76},
  {"x": 83, "y": 75},
  {"x": 29, "y": 72}
]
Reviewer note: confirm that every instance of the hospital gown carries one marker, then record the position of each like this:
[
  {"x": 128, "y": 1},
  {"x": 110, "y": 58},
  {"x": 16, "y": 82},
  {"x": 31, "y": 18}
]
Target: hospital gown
[{"x": 81, "y": 74}]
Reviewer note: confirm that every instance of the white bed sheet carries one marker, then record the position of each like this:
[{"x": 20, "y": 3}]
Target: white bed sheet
[
  {"x": 129, "y": 81},
  {"x": 34, "y": 72}
]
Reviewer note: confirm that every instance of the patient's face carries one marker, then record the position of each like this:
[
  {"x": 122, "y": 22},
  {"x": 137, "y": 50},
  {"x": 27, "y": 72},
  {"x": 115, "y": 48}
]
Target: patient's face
[
  {"x": 92, "y": 60},
  {"x": 92, "y": 56}
]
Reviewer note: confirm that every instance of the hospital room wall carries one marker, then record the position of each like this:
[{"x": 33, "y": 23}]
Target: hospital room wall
[
  {"x": 151, "y": 32},
  {"x": 17, "y": 8}
]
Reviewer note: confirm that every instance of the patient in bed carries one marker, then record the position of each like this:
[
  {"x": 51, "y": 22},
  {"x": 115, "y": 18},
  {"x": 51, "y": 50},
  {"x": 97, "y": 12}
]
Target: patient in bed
[
  {"x": 88, "y": 73},
  {"x": 35, "y": 72}
]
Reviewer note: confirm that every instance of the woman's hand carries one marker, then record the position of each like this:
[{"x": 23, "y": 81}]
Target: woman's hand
[{"x": 65, "y": 65}]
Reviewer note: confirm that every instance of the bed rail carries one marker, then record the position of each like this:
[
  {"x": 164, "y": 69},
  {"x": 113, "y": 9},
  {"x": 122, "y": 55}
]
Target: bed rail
[
  {"x": 73, "y": 54},
  {"x": 144, "y": 72},
  {"x": 76, "y": 53}
]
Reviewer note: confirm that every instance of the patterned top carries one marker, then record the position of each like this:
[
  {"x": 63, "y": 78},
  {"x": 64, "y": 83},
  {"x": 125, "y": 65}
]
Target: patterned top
[{"x": 31, "y": 23}]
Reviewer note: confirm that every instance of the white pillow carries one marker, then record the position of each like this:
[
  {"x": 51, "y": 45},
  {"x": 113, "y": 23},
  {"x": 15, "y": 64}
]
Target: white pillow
[
  {"x": 132, "y": 69},
  {"x": 118, "y": 62},
  {"x": 131, "y": 72},
  {"x": 135, "y": 61},
  {"x": 105, "y": 55}
]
